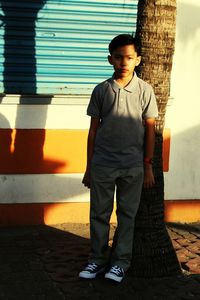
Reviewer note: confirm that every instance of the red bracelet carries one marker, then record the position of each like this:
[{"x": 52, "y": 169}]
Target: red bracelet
[{"x": 148, "y": 160}]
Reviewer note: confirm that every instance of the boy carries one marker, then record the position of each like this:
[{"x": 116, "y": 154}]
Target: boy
[{"x": 119, "y": 154}]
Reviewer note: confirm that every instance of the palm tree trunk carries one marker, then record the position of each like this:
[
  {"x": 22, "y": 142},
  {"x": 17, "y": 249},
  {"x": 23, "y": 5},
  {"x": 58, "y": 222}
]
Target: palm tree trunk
[{"x": 153, "y": 253}]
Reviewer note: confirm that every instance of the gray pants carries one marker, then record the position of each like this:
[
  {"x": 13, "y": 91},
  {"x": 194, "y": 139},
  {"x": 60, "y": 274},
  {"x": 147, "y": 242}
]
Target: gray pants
[{"x": 128, "y": 183}]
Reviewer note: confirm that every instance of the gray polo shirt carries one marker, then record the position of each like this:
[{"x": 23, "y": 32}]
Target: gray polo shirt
[{"x": 120, "y": 137}]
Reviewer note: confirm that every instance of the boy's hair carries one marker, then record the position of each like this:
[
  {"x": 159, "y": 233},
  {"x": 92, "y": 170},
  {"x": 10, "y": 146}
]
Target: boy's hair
[{"x": 123, "y": 40}]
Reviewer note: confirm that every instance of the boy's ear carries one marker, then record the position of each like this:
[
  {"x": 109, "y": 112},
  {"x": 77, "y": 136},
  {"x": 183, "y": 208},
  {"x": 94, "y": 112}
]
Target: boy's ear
[
  {"x": 138, "y": 60},
  {"x": 110, "y": 59}
]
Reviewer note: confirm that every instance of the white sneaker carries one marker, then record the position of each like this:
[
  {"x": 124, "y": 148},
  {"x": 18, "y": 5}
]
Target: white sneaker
[
  {"x": 115, "y": 273},
  {"x": 91, "y": 271}
]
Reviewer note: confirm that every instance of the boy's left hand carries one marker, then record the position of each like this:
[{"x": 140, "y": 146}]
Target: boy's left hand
[{"x": 149, "y": 180}]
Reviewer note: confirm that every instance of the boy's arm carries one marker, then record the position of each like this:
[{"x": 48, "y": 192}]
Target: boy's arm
[
  {"x": 94, "y": 124},
  {"x": 149, "y": 143}
]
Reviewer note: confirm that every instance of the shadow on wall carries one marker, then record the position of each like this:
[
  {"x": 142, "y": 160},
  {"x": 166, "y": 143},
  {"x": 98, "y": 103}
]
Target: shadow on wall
[
  {"x": 21, "y": 150},
  {"x": 19, "y": 73},
  {"x": 20, "y": 66},
  {"x": 27, "y": 193},
  {"x": 29, "y": 159},
  {"x": 15, "y": 147},
  {"x": 5, "y": 141}
]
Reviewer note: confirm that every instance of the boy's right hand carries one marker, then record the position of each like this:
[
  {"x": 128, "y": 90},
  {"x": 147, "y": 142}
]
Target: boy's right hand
[{"x": 86, "y": 179}]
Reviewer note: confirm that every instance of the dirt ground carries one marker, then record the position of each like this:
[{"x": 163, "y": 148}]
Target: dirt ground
[{"x": 43, "y": 262}]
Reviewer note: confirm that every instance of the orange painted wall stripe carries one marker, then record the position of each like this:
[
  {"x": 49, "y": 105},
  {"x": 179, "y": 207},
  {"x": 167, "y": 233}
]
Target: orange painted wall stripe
[
  {"x": 45, "y": 213},
  {"x": 166, "y": 149},
  {"x": 50, "y": 151},
  {"x": 183, "y": 211},
  {"x": 187, "y": 211},
  {"x": 40, "y": 151}
]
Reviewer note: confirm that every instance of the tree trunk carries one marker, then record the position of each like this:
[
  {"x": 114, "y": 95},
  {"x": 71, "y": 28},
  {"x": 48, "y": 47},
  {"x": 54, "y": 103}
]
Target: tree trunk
[{"x": 153, "y": 253}]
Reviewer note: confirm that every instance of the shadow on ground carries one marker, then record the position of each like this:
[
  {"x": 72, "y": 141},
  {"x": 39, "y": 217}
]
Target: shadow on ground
[{"x": 43, "y": 262}]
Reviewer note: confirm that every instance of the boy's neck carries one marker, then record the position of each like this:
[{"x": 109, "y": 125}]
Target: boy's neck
[{"x": 123, "y": 82}]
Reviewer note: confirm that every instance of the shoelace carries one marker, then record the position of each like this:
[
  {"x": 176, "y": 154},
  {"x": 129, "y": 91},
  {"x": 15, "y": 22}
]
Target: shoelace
[
  {"x": 91, "y": 267},
  {"x": 116, "y": 270}
]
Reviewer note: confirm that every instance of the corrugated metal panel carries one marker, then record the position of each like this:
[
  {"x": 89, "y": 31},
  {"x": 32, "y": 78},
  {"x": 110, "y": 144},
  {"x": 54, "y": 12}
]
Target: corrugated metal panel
[{"x": 59, "y": 46}]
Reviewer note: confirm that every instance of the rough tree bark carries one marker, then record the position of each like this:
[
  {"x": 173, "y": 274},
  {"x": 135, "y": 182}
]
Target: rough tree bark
[{"x": 153, "y": 253}]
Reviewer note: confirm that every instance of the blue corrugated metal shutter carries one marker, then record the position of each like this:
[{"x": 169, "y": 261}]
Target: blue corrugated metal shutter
[{"x": 59, "y": 46}]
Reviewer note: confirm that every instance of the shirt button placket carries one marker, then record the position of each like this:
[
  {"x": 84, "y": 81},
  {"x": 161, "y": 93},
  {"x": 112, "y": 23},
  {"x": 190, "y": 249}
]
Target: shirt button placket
[
  {"x": 121, "y": 112},
  {"x": 121, "y": 98}
]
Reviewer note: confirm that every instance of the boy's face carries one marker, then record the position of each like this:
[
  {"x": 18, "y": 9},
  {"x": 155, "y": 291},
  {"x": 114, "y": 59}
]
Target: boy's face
[{"x": 124, "y": 60}]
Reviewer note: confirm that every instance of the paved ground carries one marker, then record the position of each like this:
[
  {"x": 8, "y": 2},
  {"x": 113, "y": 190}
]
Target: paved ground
[{"x": 42, "y": 263}]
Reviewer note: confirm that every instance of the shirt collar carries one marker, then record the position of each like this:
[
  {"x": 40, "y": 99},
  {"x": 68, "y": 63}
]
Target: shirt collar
[{"x": 129, "y": 88}]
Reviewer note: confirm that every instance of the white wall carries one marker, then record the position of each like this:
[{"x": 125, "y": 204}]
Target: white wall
[
  {"x": 183, "y": 117},
  {"x": 43, "y": 188},
  {"x": 183, "y": 113}
]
